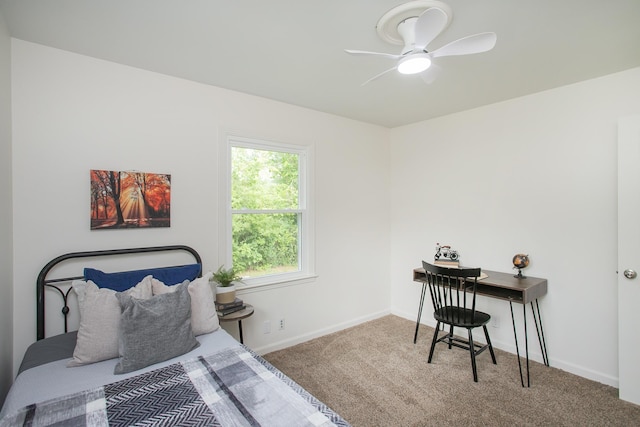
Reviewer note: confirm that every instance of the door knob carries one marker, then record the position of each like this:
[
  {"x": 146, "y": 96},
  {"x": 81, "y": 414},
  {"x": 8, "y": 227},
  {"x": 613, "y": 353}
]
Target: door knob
[{"x": 630, "y": 274}]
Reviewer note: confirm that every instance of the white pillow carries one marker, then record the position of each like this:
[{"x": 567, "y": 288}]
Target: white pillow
[
  {"x": 100, "y": 320},
  {"x": 204, "y": 318}
]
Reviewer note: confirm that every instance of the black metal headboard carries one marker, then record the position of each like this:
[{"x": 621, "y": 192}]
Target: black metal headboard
[{"x": 43, "y": 281}]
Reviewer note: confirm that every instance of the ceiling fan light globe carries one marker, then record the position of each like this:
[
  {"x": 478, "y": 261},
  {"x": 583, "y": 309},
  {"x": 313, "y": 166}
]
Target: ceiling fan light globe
[{"x": 414, "y": 64}]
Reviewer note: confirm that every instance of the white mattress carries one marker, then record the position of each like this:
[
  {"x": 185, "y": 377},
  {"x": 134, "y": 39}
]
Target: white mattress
[{"x": 55, "y": 379}]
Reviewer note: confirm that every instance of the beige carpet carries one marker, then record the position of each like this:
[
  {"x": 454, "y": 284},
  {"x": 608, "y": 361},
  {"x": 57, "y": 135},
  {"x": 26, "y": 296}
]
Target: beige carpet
[{"x": 373, "y": 375}]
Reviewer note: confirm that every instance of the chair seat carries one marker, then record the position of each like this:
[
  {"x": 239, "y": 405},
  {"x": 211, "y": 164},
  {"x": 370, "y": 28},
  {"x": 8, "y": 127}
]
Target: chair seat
[{"x": 462, "y": 317}]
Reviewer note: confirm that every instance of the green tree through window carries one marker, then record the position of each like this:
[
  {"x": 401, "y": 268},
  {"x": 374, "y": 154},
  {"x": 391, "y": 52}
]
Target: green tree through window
[{"x": 266, "y": 210}]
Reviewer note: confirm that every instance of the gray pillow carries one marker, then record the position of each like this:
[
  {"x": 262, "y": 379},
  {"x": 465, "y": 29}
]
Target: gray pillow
[
  {"x": 204, "y": 318},
  {"x": 154, "y": 330}
]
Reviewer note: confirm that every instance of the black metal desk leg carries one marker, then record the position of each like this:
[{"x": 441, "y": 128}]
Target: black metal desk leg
[
  {"x": 526, "y": 340},
  {"x": 540, "y": 331},
  {"x": 515, "y": 335},
  {"x": 424, "y": 290},
  {"x": 240, "y": 330}
]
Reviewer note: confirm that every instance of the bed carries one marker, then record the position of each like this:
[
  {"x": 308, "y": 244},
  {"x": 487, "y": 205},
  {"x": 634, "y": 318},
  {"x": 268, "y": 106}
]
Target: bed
[{"x": 172, "y": 365}]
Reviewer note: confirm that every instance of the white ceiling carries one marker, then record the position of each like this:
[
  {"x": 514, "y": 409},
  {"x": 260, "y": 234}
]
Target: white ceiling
[{"x": 292, "y": 50}]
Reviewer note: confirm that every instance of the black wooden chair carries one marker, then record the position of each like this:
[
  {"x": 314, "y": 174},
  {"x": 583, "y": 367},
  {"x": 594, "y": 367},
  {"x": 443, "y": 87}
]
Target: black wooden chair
[{"x": 453, "y": 293}]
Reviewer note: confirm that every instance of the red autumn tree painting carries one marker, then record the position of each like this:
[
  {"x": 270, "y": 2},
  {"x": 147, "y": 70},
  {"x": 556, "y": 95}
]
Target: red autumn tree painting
[{"x": 125, "y": 199}]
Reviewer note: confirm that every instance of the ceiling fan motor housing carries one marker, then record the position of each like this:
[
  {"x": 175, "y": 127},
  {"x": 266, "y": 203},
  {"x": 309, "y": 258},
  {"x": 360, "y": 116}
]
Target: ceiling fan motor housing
[{"x": 407, "y": 31}]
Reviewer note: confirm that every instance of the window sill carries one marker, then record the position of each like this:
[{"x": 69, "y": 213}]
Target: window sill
[{"x": 275, "y": 284}]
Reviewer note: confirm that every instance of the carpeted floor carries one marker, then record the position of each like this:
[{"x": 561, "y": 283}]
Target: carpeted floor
[{"x": 373, "y": 375}]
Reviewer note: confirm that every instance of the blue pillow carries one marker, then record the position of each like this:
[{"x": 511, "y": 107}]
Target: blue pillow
[{"x": 124, "y": 280}]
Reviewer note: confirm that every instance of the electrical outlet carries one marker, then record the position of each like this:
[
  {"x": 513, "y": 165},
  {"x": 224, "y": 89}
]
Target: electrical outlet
[
  {"x": 281, "y": 324},
  {"x": 266, "y": 327},
  {"x": 495, "y": 321}
]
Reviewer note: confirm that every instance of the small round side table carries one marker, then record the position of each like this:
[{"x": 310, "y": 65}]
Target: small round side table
[{"x": 238, "y": 315}]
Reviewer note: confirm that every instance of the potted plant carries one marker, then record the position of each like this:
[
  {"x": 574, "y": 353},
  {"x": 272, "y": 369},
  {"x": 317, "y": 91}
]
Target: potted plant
[{"x": 225, "y": 289}]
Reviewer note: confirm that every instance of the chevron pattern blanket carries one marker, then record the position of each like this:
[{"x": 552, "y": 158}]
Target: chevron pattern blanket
[{"x": 234, "y": 387}]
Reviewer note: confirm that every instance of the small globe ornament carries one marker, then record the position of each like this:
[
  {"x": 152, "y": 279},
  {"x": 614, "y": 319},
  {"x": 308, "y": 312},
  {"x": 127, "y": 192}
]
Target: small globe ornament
[{"x": 520, "y": 261}]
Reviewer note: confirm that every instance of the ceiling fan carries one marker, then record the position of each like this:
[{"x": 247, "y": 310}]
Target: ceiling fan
[{"x": 415, "y": 25}]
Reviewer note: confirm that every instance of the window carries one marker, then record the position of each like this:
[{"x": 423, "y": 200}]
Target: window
[{"x": 268, "y": 222}]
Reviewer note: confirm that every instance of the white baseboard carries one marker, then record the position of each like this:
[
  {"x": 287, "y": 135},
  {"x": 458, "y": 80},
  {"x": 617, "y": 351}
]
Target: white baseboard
[
  {"x": 319, "y": 333},
  {"x": 535, "y": 355}
]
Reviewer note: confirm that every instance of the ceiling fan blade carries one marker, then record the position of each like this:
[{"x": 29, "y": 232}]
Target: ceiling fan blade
[
  {"x": 364, "y": 52},
  {"x": 430, "y": 75},
  {"x": 428, "y": 26},
  {"x": 476, "y": 43},
  {"x": 378, "y": 75}
]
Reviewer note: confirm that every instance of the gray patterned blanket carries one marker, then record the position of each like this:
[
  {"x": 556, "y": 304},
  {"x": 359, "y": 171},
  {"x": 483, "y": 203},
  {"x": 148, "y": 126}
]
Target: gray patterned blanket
[{"x": 234, "y": 387}]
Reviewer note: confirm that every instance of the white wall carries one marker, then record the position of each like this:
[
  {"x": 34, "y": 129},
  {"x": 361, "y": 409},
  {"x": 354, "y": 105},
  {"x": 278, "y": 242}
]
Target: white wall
[
  {"x": 73, "y": 113},
  {"x": 535, "y": 175},
  {"x": 6, "y": 242}
]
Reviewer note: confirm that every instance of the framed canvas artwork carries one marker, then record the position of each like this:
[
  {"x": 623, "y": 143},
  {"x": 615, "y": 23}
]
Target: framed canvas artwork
[{"x": 130, "y": 199}]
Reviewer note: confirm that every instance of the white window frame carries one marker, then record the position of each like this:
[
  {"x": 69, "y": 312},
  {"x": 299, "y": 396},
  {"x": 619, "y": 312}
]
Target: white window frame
[{"x": 305, "y": 193}]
